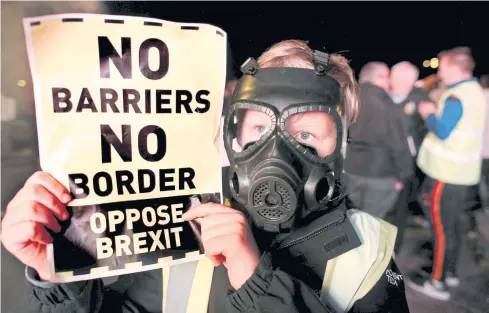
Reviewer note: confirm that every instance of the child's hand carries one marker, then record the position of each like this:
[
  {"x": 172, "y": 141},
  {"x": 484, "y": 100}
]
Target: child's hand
[
  {"x": 37, "y": 206},
  {"x": 227, "y": 239}
]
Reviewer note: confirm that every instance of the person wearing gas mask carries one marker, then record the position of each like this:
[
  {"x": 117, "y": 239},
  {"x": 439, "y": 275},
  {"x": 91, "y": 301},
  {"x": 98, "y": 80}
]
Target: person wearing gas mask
[{"x": 288, "y": 243}]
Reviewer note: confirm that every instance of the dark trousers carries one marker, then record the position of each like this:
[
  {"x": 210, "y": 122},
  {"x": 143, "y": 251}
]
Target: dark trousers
[
  {"x": 444, "y": 203},
  {"x": 479, "y": 198},
  {"x": 414, "y": 190},
  {"x": 484, "y": 184},
  {"x": 406, "y": 201},
  {"x": 373, "y": 195},
  {"x": 399, "y": 216}
]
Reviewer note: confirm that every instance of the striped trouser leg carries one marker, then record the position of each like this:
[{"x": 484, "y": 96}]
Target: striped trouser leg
[
  {"x": 438, "y": 231},
  {"x": 446, "y": 206}
]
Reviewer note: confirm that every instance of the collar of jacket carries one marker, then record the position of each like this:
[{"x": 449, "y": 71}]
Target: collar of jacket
[
  {"x": 473, "y": 79},
  {"x": 323, "y": 239},
  {"x": 331, "y": 220}
]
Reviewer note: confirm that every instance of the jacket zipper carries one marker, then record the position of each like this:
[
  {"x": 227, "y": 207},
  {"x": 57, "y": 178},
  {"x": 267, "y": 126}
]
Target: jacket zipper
[{"x": 300, "y": 240}]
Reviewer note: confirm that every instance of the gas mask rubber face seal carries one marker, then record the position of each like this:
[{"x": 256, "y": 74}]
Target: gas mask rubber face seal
[{"x": 284, "y": 134}]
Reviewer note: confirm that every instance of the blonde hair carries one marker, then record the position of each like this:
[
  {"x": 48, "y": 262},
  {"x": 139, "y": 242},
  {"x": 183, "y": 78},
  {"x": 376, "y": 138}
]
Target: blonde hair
[{"x": 296, "y": 53}]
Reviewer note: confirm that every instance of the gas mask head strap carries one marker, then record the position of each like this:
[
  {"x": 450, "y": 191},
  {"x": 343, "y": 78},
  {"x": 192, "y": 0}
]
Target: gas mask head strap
[
  {"x": 320, "y": 61},
  {"x": 249, "y": 66}
]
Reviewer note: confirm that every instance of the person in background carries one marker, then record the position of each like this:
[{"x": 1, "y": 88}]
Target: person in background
[
  {"x": 484, "y": 184},
  {"x": 451, "y": 159},
  {"x": 378, "y": 160},
  {"x": 407, "y": 97}
]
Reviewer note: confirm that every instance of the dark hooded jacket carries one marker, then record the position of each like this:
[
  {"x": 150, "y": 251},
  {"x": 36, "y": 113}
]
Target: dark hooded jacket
[
  {"x": 379, "y": 146},
  {"x": 287, "y": 280}
]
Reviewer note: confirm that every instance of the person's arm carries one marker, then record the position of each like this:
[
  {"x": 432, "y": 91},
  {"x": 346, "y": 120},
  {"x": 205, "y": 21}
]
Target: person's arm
[
  {"x": 451, "y": 115},
  {"x": 77, "y": 297},
  {"x": 419, "y": 124},
  {"x": 270, "y": 289},
  {"x": 387, "y": 295}
]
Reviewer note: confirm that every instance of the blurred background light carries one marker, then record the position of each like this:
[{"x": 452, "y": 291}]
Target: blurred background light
[{"x": 434, "y": 63}]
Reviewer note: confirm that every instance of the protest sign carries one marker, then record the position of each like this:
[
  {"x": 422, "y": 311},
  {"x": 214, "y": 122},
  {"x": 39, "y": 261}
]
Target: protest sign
[{"x": 128, "y": 112}]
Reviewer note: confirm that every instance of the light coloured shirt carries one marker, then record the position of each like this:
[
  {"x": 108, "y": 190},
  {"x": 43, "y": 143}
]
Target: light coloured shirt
[{"x": 397, "y": 99}]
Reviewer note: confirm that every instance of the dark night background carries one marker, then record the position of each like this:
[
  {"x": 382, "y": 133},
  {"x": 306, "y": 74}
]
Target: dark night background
[{"x": 370, "y": 31}]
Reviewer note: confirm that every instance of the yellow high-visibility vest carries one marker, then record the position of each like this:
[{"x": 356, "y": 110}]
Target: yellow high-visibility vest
[{"x": 457, "y": 159}]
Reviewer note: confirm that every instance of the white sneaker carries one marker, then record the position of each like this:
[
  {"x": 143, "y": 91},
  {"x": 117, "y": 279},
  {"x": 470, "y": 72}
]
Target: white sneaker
[
  {"x": 431, "y": 288},
  {"x": 452, "y": 281}
]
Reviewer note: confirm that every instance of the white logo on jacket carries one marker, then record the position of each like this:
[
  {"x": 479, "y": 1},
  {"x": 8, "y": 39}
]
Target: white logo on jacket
[{"x": 392, "y": 277}]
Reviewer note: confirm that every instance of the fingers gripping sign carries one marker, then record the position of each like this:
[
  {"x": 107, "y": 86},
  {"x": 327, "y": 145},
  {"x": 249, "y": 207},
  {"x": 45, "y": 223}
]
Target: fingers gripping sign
[
  {"x": 227, "y": 240},
  {"x": 51, "y": 184},
  {"x": 35, "y": 208}
]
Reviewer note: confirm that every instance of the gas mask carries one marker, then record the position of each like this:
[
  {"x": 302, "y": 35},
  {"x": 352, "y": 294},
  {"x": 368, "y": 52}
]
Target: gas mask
[{"x": 285, "y": 138}]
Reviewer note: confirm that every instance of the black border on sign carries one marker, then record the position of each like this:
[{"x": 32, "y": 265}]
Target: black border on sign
[
  {"x": 72, "y": 19},
  {"x": 153, "y": 24},
  {"x": 111, "y": 21},
  {"x": 189, "y": 27}
]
